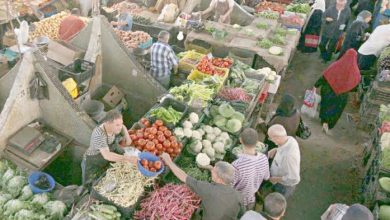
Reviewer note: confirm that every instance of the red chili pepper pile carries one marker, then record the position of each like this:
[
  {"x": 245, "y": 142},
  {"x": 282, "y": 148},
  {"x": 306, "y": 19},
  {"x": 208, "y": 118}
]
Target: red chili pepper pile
[
  {"x": 155, "y": 138},
  {"x": 206, "y": 66},
  {"x": 169, "y": 203},
  {"x": 222, "y": 62}
]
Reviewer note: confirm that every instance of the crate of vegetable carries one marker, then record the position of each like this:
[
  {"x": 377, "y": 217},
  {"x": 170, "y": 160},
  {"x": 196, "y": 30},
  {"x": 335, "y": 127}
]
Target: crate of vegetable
[
  {"x": 222, "y": 62},
  {"x": 190, "y": 60},
  {"x": 122, "y": 186},
  {"x": 170, "y": 111},
  {"x": 169, "y": 202},
  {"x": 17, "y": 200},
  {"x": 155, "y": 138},
  {"x": 193, "y": 92},
  {"x": 235, "y": 94},
  {"x": 224, "y": 116}
]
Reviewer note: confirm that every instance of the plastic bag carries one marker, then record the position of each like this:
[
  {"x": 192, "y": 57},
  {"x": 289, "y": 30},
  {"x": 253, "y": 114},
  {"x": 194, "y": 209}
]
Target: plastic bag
[
  {"x": 309, "y": 99},
  {"x": 308, "y": 110}
]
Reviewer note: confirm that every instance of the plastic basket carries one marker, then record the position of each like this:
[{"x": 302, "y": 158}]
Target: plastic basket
[
  {"x": 197, "y": 75},
  {"x": 190, "y": 60},
  {"x": 150, "y": 157},
  {"x": 147, "y": 44},
  {"x": 79, "y": 70},
  {"x": 34, "y": 176}
]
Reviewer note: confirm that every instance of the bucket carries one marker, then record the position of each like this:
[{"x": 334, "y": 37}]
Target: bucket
[
  {"x": 34, "y": 176},
  {"x": 150, "y": 157}
]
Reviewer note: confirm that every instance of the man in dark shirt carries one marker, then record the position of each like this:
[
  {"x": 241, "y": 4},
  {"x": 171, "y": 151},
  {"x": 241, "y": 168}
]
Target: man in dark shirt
[
  {"x": 219, "y": 200},
  {"x": 335, "y": 21}
]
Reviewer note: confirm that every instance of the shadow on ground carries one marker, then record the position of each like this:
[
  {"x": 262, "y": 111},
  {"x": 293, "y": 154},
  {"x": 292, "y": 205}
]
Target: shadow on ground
[{"x": 330, "y": 164}]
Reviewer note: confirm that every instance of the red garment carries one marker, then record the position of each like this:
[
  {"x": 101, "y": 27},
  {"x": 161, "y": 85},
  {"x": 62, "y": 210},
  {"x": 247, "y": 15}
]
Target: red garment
[
  {"x": 344, "y": 74},
  {"x": 69, "y": 27}
]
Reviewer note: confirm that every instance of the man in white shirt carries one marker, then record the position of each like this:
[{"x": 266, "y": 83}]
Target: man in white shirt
[
  {"x": 373, "y": 47},
  {"x": 285, "y": 167}
]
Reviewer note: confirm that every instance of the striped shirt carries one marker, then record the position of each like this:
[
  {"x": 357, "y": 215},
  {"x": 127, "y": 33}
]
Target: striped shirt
[
  {"x": 162, "y": 60},
  {"x": 250, "y": 172},
  {"x": 99, "y": 140}
]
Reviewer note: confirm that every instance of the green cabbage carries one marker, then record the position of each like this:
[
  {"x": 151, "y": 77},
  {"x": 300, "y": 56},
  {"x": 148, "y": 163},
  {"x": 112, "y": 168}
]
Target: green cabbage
[
  {"x": 13, "y": 206},
  {"x": 384, "y": 212},
  {"x": 220, "y": 121},
  {"x": 226, "y": 110},
  {"x": 55, "y": 209},
  {"x": 214, "y": 111},
  {"x": 15, "y": 185},
  {"x": 233, "y": 125},
  {"x": 239, "y": 116},
  {"x": 26, "y": 193}
]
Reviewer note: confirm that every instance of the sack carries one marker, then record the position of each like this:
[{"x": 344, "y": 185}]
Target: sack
[
  {"x": 309, "y": 99},
  {"x": 311, "y": 40},
  {"x": 303, "y": 130},
  {"x": 311, "y": 111}
]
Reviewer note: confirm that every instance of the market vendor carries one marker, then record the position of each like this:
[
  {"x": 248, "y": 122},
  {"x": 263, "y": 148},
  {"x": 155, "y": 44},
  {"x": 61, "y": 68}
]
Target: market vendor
[
  {"x": 102, "y": 144},
  {"x": 71, "y": 25},
  {"x": 125, "y": 20},
  {"x": 222, "y": 10},
  {"x": 163, "y": 60},
  {"x": 219, "y": 200}
]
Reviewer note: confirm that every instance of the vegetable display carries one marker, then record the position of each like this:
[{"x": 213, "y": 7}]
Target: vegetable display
[
  {"x": 262, "y": 26},
  {"x": 155, "y": 138},
  {"x": 142, "y": 20},
  {"x": 17, "y": 201},
  {"x": 299, "y": 8},
  {"x": 151, "y": 166},
  {"x": 123, "y": 184},
  {"x": 168, "y": 116},
  {"x": 293, "y": 20},
  {"x": 275, "y": 50},
  {"x": 190, "y": 92},
  {"x": 222, "y": 62},
  {"x": 265, "y": 43},
  {"x": 169, "y": 202},
  {"x": 227, "y": 118},
  {"x": 133, "y": 39},
  {"x": 272, "y": 15},
  {"x": 48, "y": 27},
  {"x": 278, "y": 39},
  {"x": 270, "y": 6},
  {"x": 206, "y": 66},
  {"x": 234, "y": 94},
  {"x": 260, "y": 148},
  {"x": 96, "y": 210}
]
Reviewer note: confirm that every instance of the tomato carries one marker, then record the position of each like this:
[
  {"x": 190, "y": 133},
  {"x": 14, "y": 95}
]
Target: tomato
[
  {"x": 159, "y": 146},
  {"x": 147, "y": 130},
  {"x": 135, "y": 143},
  {"x": 146, "y": 167},
  {"x": 131, "y": 131},
  {"x": 150, "y": 145},
  {"x": 146, "y": 134},
  {"x": 144, "y": 162},
  {"x": 157, "y": 165},
  {"x": 177, "y": 150},
  {"x": 155, "y": 141},
  {"x": 155, "y": 151},
  {"x": 140, "y": 134},
  {"x": 147, "y": 124},
  {"x": 159, "y": 123},
  {"x": 153, "y": 169},
  {"x": 174, "y": 145},
  {"x": 167, "y": 144},
  {"x": 167, "y": 133},
  {"x": 172, "y": 139},
  {"x": 141, "y": 142},
  {"x": 151, "y": 137},
  {"x": 133, "y": 137},
  {"x": 153, "y": 130},
  {"x": 143, "y": 120},
  {"x": 170, "y": 150},
  {"x": 161, "y": 138},
  {"x": 162, "y": 128},
  {"x": 159, "y": 152},
  {"x": 160, "y": 133}
]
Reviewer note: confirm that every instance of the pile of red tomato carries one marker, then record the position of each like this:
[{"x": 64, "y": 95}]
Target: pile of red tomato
[
  {"x": 206, "y": 66},
  {"x": 151, "y": 166},
  {"x": 155, "y": 138},
  {"x": 222, "y": 62}
]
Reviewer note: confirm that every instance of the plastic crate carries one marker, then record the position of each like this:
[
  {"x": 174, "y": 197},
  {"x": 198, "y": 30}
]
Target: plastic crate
[
  {"x": 79, "y": 70},
  {"x": 190, "y": 60}
]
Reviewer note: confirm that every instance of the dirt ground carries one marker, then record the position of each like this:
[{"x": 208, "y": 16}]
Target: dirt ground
[{"x": 330, "y": 164}]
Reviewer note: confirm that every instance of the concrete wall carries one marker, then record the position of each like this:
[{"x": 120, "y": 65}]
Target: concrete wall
[
  {"x": 6, "y": 82},
  {"x": 19, "y": 110}
]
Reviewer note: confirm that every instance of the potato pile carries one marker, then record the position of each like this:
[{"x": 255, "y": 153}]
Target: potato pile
[
  {"x": 132, "y": 39},
  {"x": 48, "y": 27}
]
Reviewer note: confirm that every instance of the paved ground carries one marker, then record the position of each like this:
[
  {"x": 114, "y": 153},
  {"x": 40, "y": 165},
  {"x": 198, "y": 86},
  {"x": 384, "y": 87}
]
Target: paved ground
[{"x": 330, "y": 164}]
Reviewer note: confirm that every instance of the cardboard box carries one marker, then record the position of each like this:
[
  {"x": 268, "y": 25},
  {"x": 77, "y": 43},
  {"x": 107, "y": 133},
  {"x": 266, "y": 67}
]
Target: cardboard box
[
  {"x": 113, "y": 97},
  {"x": 63, "y": 53}
]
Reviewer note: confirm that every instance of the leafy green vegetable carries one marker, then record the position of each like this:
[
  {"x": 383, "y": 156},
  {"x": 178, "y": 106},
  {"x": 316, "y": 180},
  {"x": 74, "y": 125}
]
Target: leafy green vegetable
[
  {"x": 226, "y": 110},
  {"x": 169, "y": 115},
  {"x": 25, "y": 214},
  {"x": 262, "y": 25},
  {"x": 220, "y": 121},
  {"x": 26, "y": 193},
  {"x": 239, "y": 116},
  {"x": 299, "y": 8},
  {"x": 55, "y": 209},
  {"x": 15, "y": 185},
  {"x": 4, "y": 198},
  {"x": 384, "y": 212},
  {"x": 6, "y": 177},
  {"x": 13, "y": 206},
  {"x": 268, "y": 15},
  {"x": 281, "y": 31},
  {"x": 233, "y": 125},
  {"x": 265, "y": 43},
  {"x": 39, "y": 200},
  {"x": 278, "y": 39}
]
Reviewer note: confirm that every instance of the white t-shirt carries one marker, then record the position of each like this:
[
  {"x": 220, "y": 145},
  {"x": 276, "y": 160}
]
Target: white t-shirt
[
  {"x": 378, "y": 40},
  {"x": 252, "y": 215}
]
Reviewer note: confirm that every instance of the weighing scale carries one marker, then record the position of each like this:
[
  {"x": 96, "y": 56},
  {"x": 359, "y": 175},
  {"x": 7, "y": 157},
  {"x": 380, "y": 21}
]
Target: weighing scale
[{"x": 26, "y": 140}]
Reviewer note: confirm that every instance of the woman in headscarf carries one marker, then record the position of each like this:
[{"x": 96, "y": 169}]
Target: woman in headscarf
[
  {"x": 356, "y": 33},
  {"x": 311, "y": 31},
  {"x": 340, "y": 78},
  {"x": 286, "y": 115}
]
